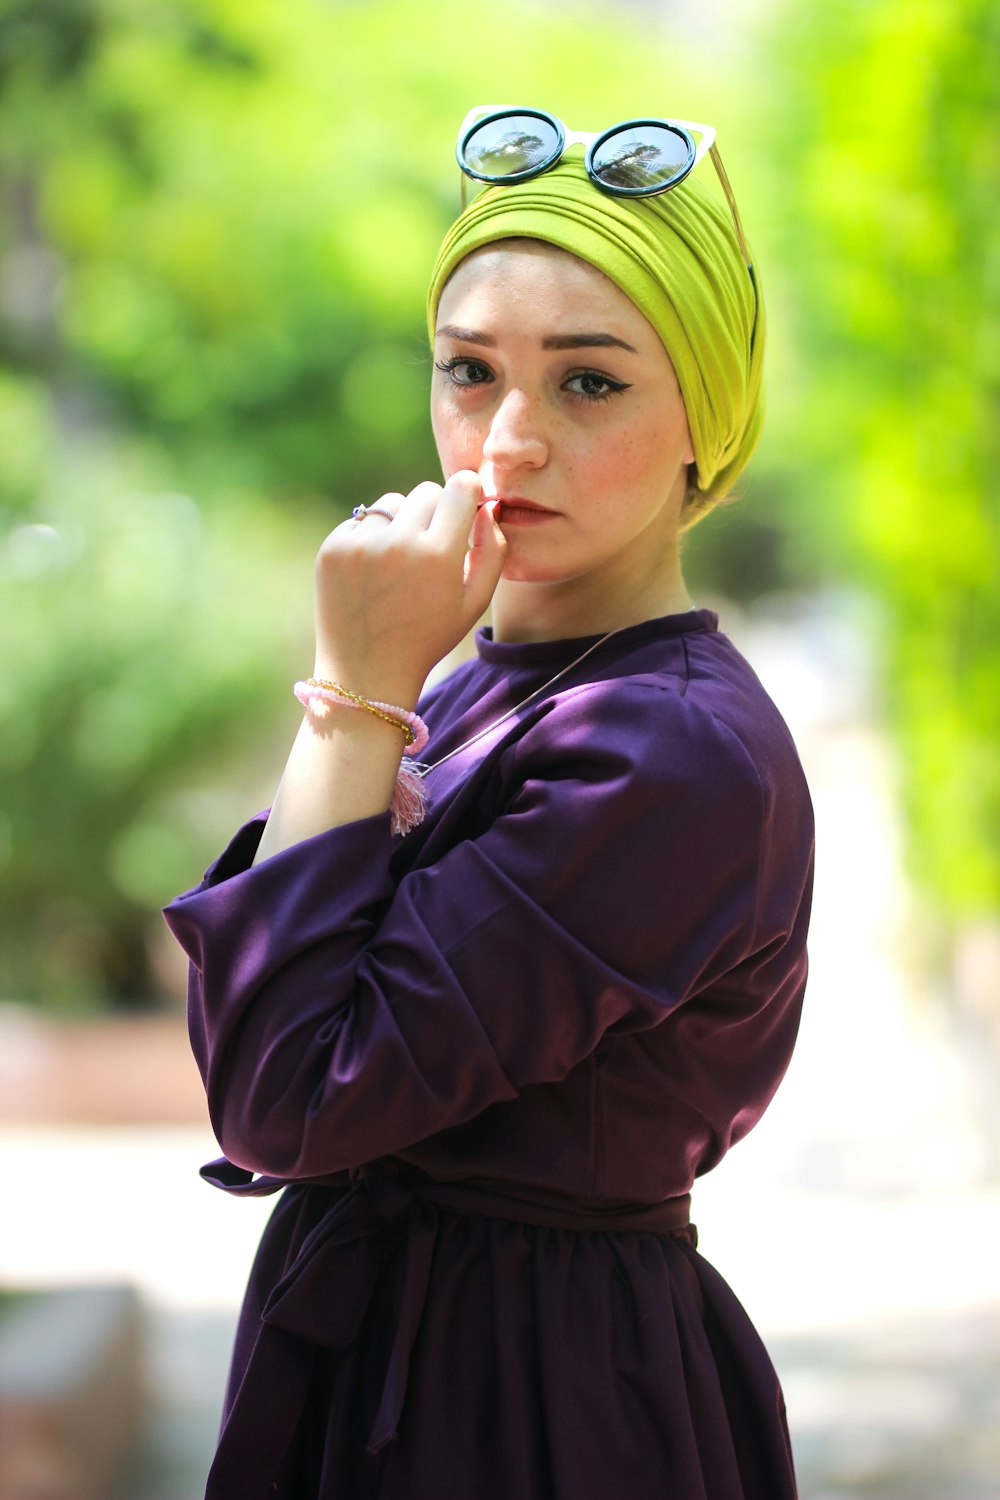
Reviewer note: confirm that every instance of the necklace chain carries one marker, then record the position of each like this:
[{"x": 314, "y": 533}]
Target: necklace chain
[{"x": 423, "y": 770}]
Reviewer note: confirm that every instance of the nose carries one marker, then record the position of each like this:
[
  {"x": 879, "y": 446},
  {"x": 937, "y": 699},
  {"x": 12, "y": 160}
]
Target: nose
[{"x": 516, "y": 439}]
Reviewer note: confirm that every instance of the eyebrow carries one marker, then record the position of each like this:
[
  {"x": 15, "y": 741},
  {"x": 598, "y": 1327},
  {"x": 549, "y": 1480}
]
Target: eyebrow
[{"x": 554, "y": 341}]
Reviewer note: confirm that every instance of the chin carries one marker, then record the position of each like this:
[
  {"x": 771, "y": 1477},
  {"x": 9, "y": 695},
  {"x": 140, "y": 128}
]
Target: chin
[
  {"x": 515, "y": 571},
  {"x": 527, "y": 564}
]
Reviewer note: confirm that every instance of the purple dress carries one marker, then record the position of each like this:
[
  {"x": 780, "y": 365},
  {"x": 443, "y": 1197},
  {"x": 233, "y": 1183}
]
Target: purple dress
[{"x": 486, "y": 1062}]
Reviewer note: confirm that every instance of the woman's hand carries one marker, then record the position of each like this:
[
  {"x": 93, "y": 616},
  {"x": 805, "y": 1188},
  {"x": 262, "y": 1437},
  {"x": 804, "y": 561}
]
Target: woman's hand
[{"x": 394, "y": 597}]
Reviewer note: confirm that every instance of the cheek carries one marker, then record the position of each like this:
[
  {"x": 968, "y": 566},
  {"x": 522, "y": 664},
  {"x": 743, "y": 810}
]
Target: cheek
[
  {"x": 652, "y": 456},
  {"x": 618, "y": 465},
  {"x": 458, "y": 440}
]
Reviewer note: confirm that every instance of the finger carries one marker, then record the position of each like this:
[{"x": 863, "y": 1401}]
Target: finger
[
  {"x": 362, "y": 512},
  {"x": 382, "y": 511},
  {"x": 416, "y": 510},
  {"x": 456, "y": 508},
  {"x": 485, "y": 559}
]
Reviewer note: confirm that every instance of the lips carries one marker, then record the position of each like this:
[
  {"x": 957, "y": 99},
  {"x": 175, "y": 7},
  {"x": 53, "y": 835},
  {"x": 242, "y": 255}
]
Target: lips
[{"x": 516, "y": 507}]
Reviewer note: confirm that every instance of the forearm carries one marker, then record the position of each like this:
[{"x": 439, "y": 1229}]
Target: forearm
[{"x": 342, "y": 767}]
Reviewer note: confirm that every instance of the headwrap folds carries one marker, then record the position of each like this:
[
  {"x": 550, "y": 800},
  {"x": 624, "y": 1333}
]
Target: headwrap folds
[{"x": 676, "y": 256}]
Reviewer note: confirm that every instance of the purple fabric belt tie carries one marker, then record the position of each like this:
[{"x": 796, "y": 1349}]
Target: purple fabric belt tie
[{"x": 304, "y": 1311}]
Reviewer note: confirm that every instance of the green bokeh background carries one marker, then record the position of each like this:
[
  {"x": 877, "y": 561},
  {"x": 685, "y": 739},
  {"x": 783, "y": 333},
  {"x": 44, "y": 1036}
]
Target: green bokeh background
[{"x": 216, "y": 222}]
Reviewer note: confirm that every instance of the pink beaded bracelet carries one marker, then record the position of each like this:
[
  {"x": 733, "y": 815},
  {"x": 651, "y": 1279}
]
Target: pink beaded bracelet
[
  {"x": 315, "y": 689},
  {"x": 408, "y": 803}
]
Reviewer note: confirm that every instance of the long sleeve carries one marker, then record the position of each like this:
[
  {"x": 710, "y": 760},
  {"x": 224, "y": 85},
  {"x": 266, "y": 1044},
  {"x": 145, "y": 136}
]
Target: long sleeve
[{"x": 640, "y": 857}]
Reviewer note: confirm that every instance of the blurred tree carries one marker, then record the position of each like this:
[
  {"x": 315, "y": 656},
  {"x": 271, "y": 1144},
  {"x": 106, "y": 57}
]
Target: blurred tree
[
  {"x": 893, "y": 163},
  {"x": 883, "y": 130},
  {"x": 216, "y": 222}
]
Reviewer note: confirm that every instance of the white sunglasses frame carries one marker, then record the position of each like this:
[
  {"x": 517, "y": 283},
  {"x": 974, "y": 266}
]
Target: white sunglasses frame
[{"x": 704, "y": 146}]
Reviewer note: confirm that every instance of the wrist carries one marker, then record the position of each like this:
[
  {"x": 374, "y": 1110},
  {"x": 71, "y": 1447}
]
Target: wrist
[
  {"x": 377, "y": 685},
  {"x": 363, "y": 746},
  {"x": 319, "y": 695}
]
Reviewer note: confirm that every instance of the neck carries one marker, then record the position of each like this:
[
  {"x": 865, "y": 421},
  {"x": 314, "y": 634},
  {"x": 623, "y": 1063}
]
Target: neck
[{"x": 582, "y": 606}]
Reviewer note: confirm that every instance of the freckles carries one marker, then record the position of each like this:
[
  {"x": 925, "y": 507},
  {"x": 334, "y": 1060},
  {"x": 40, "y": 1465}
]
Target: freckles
[
  {"x": 469, "y": 437},
  {"x": 616, "y": 462},
  {"x": 455, "y": 432}
]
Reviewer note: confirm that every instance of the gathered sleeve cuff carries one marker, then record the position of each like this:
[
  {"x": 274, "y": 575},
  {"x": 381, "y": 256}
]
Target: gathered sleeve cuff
[{"x": 305, "y": 1066}]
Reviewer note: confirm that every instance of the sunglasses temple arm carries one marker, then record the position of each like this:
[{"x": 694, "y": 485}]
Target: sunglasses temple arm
[{"x": 730, "y": 199}]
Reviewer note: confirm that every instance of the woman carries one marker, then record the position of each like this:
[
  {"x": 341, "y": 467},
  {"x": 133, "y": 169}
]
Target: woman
[{"x": 487, "y": 1045}]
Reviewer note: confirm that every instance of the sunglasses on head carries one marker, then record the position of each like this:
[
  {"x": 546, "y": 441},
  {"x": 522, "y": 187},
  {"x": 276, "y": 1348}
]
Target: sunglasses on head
[{"x": 635, "y": 159}]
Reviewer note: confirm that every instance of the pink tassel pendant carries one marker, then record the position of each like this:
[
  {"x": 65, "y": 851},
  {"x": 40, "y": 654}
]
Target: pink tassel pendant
[{"x": 409, "y": 799}]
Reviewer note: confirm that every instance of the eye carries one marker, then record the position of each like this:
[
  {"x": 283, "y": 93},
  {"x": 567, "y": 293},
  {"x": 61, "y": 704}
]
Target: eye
[
  {"x": 591, "y": 385},
  {"x": 464, "y": 372}
]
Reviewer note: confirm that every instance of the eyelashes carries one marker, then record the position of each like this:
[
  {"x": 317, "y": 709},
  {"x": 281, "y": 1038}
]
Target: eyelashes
[
  {"x": 588, "y": 386},
  {"x": 594, "y": 378},
  {"x": 451, "y": 367}
]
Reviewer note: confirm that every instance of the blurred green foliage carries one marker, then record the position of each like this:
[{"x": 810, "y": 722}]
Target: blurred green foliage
[
  {"x": 216, "y": 222},
  {"x": 884, "y": 180}
]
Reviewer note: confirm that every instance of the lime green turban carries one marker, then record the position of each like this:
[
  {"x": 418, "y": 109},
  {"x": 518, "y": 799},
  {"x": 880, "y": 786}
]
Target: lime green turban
[{"x": 676, "y": 256}]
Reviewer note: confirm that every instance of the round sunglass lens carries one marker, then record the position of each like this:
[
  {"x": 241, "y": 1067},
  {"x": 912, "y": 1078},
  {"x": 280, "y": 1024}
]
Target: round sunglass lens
[
  {"x": 510, "y": 146},
  {"x": 642, "y": 158}
]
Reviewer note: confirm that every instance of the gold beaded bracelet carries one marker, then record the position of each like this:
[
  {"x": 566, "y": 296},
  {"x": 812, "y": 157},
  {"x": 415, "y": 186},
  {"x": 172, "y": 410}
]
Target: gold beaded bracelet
[{"x": 413, "y": 727}]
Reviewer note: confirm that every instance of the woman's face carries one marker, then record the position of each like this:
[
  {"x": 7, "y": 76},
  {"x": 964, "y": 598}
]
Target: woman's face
[{"x": 554, "y": 388}]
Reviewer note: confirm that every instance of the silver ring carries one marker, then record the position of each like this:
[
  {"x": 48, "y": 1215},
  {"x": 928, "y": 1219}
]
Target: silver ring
[{"x": 361, "y": 511}]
